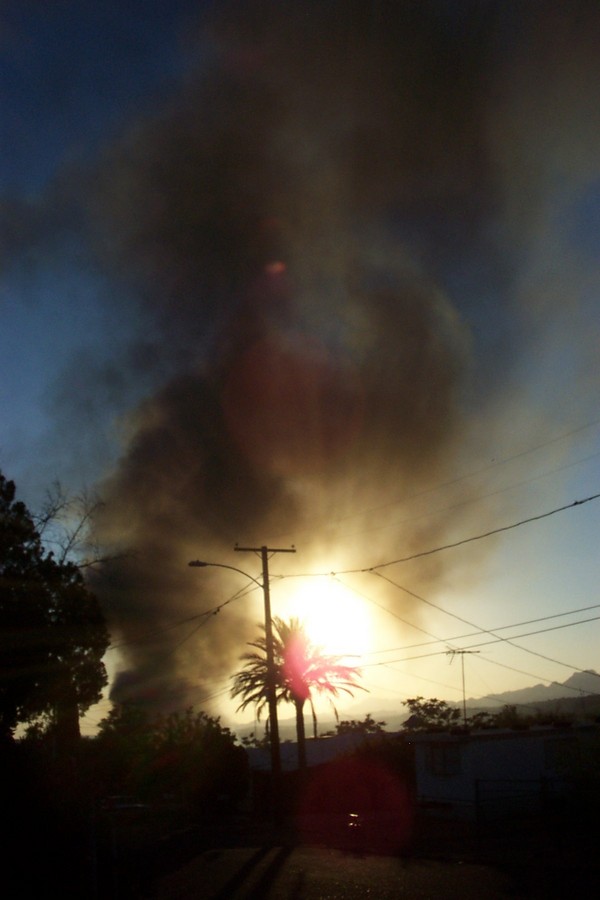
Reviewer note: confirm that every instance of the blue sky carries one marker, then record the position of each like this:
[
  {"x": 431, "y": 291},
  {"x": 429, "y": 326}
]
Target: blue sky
[
  {"x": 410, "y": 235},
  {"x": 73, "y": 74},
  {"x": 73, "y": 71}
]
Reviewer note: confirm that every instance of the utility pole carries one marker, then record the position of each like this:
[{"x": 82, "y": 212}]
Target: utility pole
[
  {"x": 271, "y": 686},
  {"x": 461, "y": 653}
]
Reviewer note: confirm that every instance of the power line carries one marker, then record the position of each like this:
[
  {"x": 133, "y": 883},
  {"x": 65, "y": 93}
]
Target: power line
[
  {"x": 502, "y": 640},
  {"x": 498, "y": 638},
  {"x": 156, "y": 632},
  {"x": 466, "y": 502},
  {"x": 374, "y": 570},
  {"x": 493, "y": 465},
  {"x": 214, "y": 696},
  {"x": 492, "y": 634},
  {"x": 389, "y": 664},
  {"x": 477, "y": 537},
  {"x": 569, "y": 687},
  {"x": 389, "y": 611},
  {"x": 450, "y": 546},
  {"x": 460, "y": 637},
  {"x": 543, "y": 631},
  {"x": 242, "y": 592},
  {"x": 213, "y": 612}
]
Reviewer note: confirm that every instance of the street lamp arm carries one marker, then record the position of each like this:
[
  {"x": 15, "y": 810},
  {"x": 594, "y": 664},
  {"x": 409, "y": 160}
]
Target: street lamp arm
[{"x": 200, "y": 564}]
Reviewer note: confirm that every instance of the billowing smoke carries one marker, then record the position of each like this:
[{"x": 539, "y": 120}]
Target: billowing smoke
[{"x": 292, "y": 227}]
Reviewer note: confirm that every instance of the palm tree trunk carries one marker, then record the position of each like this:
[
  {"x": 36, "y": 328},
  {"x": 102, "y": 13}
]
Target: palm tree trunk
[
  {"x": 300, "y": 734},
  {"x": 314, "y": 718}
]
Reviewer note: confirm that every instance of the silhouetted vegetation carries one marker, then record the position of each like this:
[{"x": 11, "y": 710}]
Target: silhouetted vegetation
[
  {"x": 52, "y": 632},
  {"x": 368, "y": 725},
  {"x": 188, "y": 758},
  {"x": 430, "y": 715},
  {"x": 437, "y": 715},
  {"x": 124, "y": 804}
]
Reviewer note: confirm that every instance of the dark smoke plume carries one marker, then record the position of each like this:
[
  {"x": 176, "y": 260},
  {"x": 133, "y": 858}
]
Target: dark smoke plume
[{"x": 285, "y": 225}]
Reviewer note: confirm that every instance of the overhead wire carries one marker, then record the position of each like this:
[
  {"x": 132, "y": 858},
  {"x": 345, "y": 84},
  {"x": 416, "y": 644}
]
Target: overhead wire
[
  {"x": 389, "y": 664},
  {"x": 451, "y": 687},
  {"x": 477, "y": 537},
  {"x": 460, "y": 637},
  {"x": 442, "y": 547},
  {"x": 206, "y": 614},
  {"x": 480, "y": 630},
  {"x": 385, "y": 609},
  {"x": 579, "y": 691},
  {"x": 493, "y": 465},
  {"x": 490, "y": 466},
  {"x": 375, "y": 568},
  {"x": 542, "y": 655},
  {"x": 504, "y": 640},
  {"x": 466, "y": 502},
  {"x": 375, "y": 571},
  {"x": 498, "y": 638}
]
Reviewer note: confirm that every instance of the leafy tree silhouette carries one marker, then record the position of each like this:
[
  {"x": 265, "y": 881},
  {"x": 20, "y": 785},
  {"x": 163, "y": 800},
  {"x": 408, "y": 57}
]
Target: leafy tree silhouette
[
  {"x": 52, "y": 631},
  {"x": 430, "y": 715}
]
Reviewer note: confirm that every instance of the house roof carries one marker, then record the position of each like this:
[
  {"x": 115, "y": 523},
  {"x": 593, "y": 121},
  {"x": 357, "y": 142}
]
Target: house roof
[{"x": 500, "y": 734}]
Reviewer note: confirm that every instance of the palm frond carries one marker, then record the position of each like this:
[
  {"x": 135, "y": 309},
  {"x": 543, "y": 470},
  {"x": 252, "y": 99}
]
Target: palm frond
[{"x": 300, "y": 669}]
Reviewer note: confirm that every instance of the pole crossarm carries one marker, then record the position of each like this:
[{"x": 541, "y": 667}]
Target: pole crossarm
[{"x": 268, "y": 549}]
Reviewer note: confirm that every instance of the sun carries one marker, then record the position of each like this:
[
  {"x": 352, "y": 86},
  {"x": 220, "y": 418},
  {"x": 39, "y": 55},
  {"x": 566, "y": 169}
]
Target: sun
[{"x": 336, "y": 620}]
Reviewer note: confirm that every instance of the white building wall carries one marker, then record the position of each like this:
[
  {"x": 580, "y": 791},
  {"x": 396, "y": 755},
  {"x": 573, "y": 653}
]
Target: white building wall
[{"x": 450, "y": 769}]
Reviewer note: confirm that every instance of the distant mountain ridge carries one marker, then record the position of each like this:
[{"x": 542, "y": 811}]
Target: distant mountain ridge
[{"x": 579, "y": 684}]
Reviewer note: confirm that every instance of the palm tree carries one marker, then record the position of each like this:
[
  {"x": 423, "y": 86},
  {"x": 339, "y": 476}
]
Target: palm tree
[{"x": 301, "y": 670}]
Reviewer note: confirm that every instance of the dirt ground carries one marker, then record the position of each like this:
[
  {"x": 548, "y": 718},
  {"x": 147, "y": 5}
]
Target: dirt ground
[
  {"x": 531, "y": 867},
  {"x": 444, "y": 860},
  {"x": 320, "y": 874}
]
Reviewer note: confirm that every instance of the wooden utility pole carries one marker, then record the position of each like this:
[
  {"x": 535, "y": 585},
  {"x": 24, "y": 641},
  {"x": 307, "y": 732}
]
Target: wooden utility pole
[{"x": 271, "y": 685}]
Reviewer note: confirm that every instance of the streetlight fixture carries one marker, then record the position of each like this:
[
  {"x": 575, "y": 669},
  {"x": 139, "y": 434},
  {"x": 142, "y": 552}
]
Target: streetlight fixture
[{"x": 271, "y": 681}]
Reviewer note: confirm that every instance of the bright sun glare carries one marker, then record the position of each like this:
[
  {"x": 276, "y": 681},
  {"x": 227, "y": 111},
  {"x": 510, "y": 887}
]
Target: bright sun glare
[{"x": 336, "y": 619}]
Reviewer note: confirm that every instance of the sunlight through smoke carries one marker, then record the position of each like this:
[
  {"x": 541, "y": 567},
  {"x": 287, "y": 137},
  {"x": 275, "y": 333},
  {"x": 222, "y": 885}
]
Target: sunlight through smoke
[{"x": 335, "y": 618}]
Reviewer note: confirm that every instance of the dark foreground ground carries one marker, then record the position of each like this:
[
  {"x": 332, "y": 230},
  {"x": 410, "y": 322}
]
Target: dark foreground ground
[
  {"x": 247, "y": 859},
  {"x": 314, "y": 873}
]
